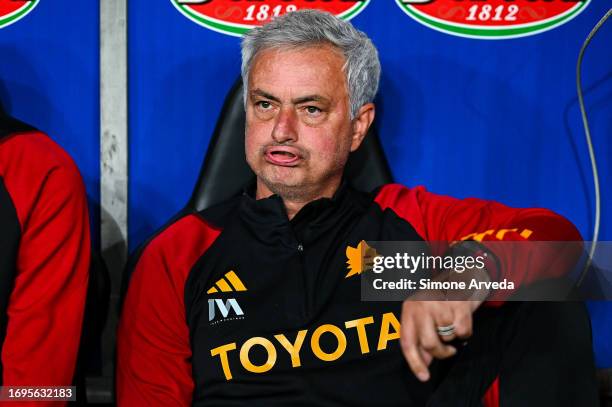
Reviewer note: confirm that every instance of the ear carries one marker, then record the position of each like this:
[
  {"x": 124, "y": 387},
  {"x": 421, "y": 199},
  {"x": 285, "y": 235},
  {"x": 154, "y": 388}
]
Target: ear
[{"x": 361, "y": 123}]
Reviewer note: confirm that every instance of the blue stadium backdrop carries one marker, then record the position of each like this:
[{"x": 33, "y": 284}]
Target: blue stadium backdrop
[
  {"x": 49, "y": 73},
  {"x": 463, "y": 116}
]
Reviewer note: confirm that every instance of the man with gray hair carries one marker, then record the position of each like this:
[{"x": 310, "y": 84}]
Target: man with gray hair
[{"x": 250, "y": 303}]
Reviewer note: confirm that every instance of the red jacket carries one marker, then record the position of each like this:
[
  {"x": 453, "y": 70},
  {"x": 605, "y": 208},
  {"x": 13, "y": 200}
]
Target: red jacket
[{"x": 46, "y": 253}]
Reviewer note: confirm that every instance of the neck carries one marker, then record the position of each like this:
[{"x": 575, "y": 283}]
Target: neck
[{"x": 295, "y": 202}]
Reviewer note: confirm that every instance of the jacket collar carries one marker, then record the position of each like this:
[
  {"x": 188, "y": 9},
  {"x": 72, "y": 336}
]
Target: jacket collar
[{"x": 315, "y": 218}]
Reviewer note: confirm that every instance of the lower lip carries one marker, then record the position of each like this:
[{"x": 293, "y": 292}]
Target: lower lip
[{"x": 271, "y": 158}]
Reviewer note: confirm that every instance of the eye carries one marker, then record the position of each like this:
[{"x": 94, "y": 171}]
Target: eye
[
  {"x": 313, "y": 110},
  {"x": 263, "y": 105}
]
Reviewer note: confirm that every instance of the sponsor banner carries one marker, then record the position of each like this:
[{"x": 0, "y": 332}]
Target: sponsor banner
[
  {"x": 492, "y": 19},
  {"x": 236, "y": 17},
  {"x": 482, "y": 271},
  {"x": 12, "y": 11}
]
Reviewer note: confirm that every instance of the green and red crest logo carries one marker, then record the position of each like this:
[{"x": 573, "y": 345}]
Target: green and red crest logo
[
  {"x": 12, "y": 11},
  {"x": 492, "y": 19},
  {"x": 236, "y": 17}
]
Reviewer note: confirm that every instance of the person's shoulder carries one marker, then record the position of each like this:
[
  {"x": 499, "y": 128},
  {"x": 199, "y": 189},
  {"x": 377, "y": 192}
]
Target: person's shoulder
[
  {"x": 187, "y": 228},
  {"x": 219, "y": 214},
  {"x": 393, "y": 195},
  {"x": 182, "y": 240},
  {"x": 37, "y": 145},
  {"x": 37, "y": 173},
  {"x": 388, "y": 189},
  {"x": 35, "y": 152},
  {"x": 185, "y": 238}
]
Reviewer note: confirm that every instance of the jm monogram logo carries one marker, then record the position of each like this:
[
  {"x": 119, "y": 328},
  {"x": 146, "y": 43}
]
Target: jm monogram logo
[{"x": 225, "y": 307}]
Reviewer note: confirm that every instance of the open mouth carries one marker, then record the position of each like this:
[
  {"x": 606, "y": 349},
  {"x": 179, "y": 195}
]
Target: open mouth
[{"x": 284, "y": 156}]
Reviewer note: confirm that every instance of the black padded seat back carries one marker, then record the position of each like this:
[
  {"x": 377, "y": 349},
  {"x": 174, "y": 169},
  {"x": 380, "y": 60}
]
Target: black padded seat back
[{"x": 220, "y": 177}]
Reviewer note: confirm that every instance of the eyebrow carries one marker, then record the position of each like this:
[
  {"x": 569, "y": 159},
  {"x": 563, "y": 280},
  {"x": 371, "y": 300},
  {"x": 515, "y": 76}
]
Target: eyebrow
[
  {"x": 259, "y": 92},
  {"x": 302, "y": 99},
  {"x": 310, "y": 98}
]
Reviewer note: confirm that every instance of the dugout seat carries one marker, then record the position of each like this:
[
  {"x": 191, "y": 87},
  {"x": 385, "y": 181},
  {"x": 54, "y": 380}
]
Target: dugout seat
[{"x": 221, "y": 178}]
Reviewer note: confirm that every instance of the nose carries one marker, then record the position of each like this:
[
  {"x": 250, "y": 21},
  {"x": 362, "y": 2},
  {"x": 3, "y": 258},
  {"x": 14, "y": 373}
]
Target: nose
[{"x": 284, "y": 130}]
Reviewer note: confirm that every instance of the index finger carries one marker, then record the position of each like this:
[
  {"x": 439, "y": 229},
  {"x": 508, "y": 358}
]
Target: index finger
[{"x": 410, "y": 349}]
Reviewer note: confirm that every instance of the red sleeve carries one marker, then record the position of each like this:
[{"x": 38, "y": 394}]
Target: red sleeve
[
  {"x": 444, "y": 219},
  {"x": 153, "y": 366},
  {"x": 46, "y": 306}
]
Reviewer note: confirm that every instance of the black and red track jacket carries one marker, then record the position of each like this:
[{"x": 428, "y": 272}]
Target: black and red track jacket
[
  {"x": 44, "y": 259},
  {"x": 237, "y": 305}
]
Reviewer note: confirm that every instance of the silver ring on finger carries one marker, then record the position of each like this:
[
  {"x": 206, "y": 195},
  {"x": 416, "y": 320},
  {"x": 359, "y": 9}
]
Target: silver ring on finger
[{"x": 447, "y": 330}]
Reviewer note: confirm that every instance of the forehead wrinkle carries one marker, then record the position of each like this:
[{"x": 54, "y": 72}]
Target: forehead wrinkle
[
  {"x": 332, "y": 63},
  {"x": 278, "y": 50}
]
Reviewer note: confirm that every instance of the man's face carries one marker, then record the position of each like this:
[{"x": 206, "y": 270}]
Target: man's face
[{"x": 298, "y": 127}]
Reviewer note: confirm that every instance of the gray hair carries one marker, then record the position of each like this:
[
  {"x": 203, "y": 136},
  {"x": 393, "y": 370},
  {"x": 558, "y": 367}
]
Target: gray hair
[{"x": 306, "y": 28}]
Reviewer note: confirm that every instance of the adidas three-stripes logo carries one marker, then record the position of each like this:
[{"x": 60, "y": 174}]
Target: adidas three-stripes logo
[{"x": 228, "y": 283}]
